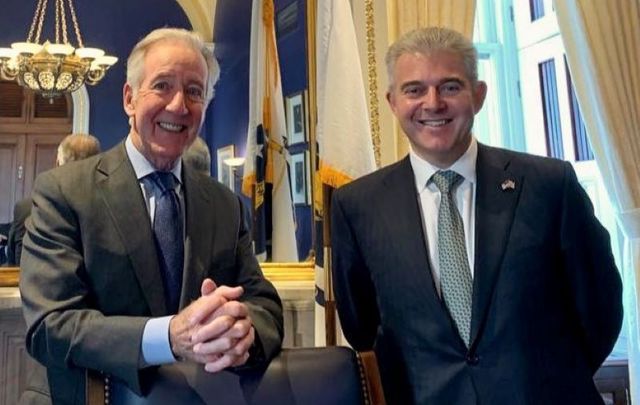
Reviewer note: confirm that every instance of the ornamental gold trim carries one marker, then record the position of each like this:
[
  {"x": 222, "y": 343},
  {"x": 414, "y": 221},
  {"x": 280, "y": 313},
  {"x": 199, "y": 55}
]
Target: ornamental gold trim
[{"x": 372, "y": 77}]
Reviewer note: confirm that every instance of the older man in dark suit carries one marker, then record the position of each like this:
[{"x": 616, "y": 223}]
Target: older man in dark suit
[
  {"x": 133, "y": 260},
  {"x": 478, "y": 275}
]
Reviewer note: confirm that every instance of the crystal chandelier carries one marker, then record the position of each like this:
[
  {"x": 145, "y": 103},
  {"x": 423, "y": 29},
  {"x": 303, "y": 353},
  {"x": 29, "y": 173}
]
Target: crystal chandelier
[{"x": 52, "y": 69}]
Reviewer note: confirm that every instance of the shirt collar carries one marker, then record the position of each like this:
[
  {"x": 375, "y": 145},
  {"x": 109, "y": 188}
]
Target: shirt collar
[
  {"x": 142, "y": 167},
  {"x": 464, "y": 166}
]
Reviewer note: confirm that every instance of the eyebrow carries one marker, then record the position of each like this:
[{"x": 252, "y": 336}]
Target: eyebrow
[
  {"x": 411, "y": 83},
  {"x": 441, "y": 82},
  {"x": 453, "y": 79},
  {"x": 170, "y": 75}
]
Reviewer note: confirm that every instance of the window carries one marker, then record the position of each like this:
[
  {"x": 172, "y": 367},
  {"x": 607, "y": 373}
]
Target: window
[
  {"x": 550, "y": 108},
  {"x": 582, "y": 148},
  {"x": 531, "y": 105}
]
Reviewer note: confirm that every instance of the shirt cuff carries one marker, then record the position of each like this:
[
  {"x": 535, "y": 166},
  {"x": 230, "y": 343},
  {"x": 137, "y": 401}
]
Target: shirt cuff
[{"x": 156, "y": 348}]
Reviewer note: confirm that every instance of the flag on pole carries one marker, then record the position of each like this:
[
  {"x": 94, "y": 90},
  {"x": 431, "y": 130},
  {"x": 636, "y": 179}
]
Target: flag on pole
[
  {"x": 343, "y": 132},
  {"x": 266, "y": 177}
]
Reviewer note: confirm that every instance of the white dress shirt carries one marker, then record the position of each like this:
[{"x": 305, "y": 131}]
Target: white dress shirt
[{"x": 429, "y": 201}]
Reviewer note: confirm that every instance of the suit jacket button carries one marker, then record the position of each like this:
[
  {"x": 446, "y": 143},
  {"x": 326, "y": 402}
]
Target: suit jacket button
[{"x": 472, "y": 359}]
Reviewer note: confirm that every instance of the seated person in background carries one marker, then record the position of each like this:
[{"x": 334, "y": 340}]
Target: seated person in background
[
  {"x": 4, "y": 232},
  {"x": 133, "y": 259},
  {"x": 197, "y": 155},
  {"x": 478, "y": 274},
  {"x": 16, "y": 232},
  {"x": 73, "y": 147}
]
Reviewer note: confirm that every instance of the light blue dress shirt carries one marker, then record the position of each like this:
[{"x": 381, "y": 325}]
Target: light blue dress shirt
[{"x": 156, "y": 348}]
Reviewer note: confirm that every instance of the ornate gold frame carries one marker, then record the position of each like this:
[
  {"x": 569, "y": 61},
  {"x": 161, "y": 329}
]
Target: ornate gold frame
[
  {"x": 9, "y": 276},
  {"x": 274, "y": 272}
]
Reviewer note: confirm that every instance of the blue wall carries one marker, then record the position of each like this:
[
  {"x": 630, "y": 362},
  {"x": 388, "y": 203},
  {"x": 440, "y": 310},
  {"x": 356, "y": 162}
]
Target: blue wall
[
  {"x": 229, "y": 110},
  {"x": 230, "y": 107},
  {"x": 102, "y": 24}
]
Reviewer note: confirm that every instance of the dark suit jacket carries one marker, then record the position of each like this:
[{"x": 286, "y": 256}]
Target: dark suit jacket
[
  {"x": 16, "y": 232},
  {"x": 90, "y": 278},
  {"x": 547, "y": 305}
]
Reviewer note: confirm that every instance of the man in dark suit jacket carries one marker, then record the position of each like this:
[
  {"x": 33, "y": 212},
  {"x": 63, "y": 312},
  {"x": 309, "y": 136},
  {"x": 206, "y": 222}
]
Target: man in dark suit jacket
[
  {"x": 93, "y": 283},
  {"x": 73, "y": 147},
  {"x": 545, "y": 300}
]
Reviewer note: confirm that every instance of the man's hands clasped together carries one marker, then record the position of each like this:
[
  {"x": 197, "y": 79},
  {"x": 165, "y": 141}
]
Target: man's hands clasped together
[{"x": 215, "y": 330}]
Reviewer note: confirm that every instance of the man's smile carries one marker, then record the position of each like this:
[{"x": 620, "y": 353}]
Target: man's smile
[{"x": 172, "y": 127}]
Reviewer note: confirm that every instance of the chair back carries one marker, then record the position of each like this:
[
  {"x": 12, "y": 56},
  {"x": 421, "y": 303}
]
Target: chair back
[
  {"x": 612, "y": 381},
  {"x": 308, "y": 376}
]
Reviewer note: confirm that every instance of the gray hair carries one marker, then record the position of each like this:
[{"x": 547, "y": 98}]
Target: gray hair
[
  {"x": 198, "y": 157},
  {"x": 431, "y": 39},
  {"x": 136, "y": 58},
  {"x": 77, "y": 147}
]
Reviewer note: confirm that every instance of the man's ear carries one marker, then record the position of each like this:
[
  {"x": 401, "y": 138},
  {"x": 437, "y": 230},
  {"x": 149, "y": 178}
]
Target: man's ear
[
  {"x": 127, "y": 100},
  {"x": 479, "y": 95},
  {"x": 391, "y": 101}
]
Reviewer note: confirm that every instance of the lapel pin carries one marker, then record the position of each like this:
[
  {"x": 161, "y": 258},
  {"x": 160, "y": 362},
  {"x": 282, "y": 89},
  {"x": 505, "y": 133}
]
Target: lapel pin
[{"x": 508, "y": 184}]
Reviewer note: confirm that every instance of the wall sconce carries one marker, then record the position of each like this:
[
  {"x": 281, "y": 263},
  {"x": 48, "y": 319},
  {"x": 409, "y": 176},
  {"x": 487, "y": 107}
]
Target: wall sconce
[{"x": 234, "y": 164}]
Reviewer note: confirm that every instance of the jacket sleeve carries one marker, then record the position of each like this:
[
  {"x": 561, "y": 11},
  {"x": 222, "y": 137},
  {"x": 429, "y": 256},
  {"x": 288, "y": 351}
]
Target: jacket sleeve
[
  {"x": 354, "y": 291},
  {"x": 594, "y": 280}
]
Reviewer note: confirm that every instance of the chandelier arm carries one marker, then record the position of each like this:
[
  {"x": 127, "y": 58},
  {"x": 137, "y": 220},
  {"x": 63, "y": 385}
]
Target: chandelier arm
[
  {"x": 34, "y": 21},
  {"x": 75, "y": 24},
  {"x": 43, "y": 10},
  {"x": 64, "y": 22},
  {"x": 57, "y": 6}
]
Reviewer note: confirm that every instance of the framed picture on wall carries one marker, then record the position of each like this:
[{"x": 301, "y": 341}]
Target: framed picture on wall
[
  {"x": 300, "y": 180},
  {"x": 225, "y": 175},
  {"x": 296, "y": 118}
]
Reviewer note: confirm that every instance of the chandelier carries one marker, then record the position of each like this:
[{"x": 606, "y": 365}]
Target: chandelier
[{"x": 53, "y": 69}]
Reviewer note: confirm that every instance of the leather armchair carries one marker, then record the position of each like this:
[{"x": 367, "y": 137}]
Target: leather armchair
[{"x": 308, "y": 376}]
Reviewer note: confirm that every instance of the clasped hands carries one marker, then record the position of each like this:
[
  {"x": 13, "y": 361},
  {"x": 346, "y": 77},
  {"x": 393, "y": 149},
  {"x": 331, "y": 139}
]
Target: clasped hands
[{"x": 214, "y": 330}]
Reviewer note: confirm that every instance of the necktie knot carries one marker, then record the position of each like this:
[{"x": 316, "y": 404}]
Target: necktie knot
[
  {"x": 446, "y": 180},
  {"x": 165, "y": 181}
]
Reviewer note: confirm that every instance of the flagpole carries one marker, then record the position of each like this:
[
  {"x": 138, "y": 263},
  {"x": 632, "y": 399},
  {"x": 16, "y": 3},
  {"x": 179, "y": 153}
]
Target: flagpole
[
  {"x": 329, "y": 300},
  {"x": 319, "y": 204}
]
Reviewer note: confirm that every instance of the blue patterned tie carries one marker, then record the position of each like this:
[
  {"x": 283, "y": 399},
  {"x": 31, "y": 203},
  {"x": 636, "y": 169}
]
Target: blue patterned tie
[
  {"x": 167, "y": 229},
  {"x": 455, "y": 275}
]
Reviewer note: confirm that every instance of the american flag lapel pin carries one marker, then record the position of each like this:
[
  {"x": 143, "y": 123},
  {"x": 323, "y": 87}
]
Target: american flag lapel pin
[{"x": 508, "y": 184}]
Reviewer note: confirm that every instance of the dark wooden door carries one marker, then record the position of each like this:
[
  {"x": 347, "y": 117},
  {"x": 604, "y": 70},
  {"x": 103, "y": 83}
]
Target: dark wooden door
[
  {"x": 31, "y": 127},
  {"x": 11, "y": 161}
]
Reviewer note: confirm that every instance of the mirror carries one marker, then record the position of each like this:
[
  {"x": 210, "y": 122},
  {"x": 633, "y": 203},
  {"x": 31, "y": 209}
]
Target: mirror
[{"x": 230, "y": 122}]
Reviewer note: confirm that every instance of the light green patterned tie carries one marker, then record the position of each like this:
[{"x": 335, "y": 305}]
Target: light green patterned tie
[{"x": 455, "y": 276}]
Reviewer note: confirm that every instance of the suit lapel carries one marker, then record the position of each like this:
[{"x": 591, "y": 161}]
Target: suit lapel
[
  {"x": 197, "y": 209},
  {"x": 400, "y": 198},
  {"x": 496, "y": 202},
  {"x": 120, "y": 190}
]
